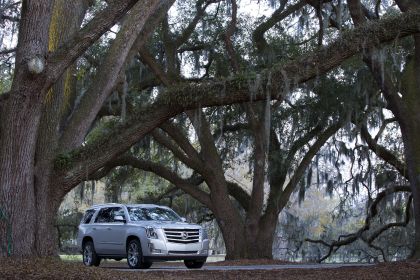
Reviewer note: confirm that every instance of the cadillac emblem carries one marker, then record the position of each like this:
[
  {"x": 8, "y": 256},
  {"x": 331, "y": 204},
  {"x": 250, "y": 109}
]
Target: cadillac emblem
[{"x": 184, "y": 235}]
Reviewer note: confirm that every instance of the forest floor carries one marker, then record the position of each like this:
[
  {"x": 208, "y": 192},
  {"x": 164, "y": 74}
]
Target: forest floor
[{"x": 56, "y": 269}]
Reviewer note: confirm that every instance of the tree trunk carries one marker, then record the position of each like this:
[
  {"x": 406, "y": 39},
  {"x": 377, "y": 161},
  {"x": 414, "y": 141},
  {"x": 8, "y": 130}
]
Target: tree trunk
[
  {"x": 240, "y": 246},
  {"x": 262, "y": 246},
  {"x": 233, "y": 233},
  {"x": 412, "y": 155},
  {"x": 228, "y": 219},
  {"x": 47, "y": 203},
  {"x": 239, "y": 243},
  {"x": 264, "y": 242},
  {"x": 17, "y": 194},
  {"x": 20, "y": 118},
  {"x": 409, "y": 121},
  {"x": 66, "y": 20}
]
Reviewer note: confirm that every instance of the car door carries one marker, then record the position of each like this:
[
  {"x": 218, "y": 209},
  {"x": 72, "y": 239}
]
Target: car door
[
  {"x": 98, "y": 231},
  {"x": 109, "y": 235},
  {"x": 116, "y": 232}
]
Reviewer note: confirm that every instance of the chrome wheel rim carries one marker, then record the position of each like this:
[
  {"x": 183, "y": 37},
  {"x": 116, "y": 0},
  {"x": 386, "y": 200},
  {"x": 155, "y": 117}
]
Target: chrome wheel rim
[
  {"x": 133, "y": 254},
  {"x": 87, "y": 255}
]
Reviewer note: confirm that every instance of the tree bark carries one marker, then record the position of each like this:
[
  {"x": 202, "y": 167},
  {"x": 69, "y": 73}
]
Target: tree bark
[
  {"x": 66, "y": 19},
  {"x": 20, "y": 118},
  {"x": 409, "y": 122},
  {"x": 231, "y": 225}
]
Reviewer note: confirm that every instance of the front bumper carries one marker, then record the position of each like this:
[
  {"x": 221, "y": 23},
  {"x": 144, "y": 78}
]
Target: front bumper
[{"x": 161, "y": 249}]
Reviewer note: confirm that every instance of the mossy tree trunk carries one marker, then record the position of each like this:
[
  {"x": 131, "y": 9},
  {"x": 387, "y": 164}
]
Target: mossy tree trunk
[
  {"x": 409, "y": 120},
  {"x": 66, "y": 19}
]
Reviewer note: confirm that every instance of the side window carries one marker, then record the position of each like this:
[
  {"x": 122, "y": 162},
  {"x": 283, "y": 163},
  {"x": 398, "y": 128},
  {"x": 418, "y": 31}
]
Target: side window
[
  {"x": 106, "y": 215},
  {"x": 88, "y": 216}
]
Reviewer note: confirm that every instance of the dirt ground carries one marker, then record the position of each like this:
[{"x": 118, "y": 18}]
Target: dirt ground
[{"x": 56, "y": 269}]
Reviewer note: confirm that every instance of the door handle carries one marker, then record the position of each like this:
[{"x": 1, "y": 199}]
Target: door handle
[
  {"x": 94, "y": 228},
  {"x": 108, "y": 228}
]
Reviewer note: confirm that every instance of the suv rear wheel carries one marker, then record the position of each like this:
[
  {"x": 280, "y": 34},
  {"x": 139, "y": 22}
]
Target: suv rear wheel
[
  {"x": 90, "y": 258},
  {"x": 135, "y": 255},
  {"x": 194, "y": 264}
]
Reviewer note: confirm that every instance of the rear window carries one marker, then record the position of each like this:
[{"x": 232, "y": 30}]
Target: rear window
[{"x": 88, "y": 216}]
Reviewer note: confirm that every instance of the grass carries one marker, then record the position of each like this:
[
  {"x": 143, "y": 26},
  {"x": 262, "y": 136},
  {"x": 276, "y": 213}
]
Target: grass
[{"x": 71, "y": 258}]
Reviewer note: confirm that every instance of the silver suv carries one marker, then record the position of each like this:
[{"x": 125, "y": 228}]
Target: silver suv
[{"x": 142, "y": 233}]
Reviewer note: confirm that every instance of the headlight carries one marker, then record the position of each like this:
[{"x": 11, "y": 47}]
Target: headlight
[
  {"x": 204, "y": 234},
  {"x": 151, "y": 233}
]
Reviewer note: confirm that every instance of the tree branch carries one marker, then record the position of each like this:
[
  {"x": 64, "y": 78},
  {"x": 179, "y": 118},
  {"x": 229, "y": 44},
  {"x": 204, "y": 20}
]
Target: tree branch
[
  {"x": 150, "y": 61},
  {"x": 182, "y": 141},
  {"x": 372, "y": 212},
  {"x": 185, "y": 35},
  {"x": 256, "y": 116},
  {"x": 230, "y": 30},
  {"x": 306, "y": 160},
  {"x": 105, "y": 81},
  {"x": 233, "y": 90},
  {"x": 277, "y": 16},
  {"x": 383, "y": 126},
  {"x": 219, "y": 131},
  {"x": 62, "y": 58},
  {"x": 7, "y": 51},
  {"x": 169, "y": 192},
  {"x": 165, "y": 173},
  {"x": 299, "y": 143},
  {"x": 240, "y": 195},
  {"x": 192, "y": 48},
  {"x": 384, "y": 228},
  {"x": 382, "y": 152},
  {"x": 178, "y": 153},
  {"x": 9, "y": 18}
]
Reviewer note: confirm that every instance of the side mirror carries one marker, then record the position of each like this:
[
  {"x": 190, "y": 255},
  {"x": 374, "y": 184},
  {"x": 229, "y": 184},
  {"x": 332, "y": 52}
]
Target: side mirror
[
  {"x": 120, "y": 219},
  {"x": 183, "y": 219}
]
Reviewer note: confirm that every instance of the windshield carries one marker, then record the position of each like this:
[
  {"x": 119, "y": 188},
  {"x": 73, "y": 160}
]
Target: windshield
[{"x": 152, "y": 214}]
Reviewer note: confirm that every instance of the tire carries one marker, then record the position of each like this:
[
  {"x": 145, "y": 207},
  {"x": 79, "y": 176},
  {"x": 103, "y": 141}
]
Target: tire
[
  {"x": 135, "y": 255},
  {"x": 90, "y": 258},
  {"x": 191, "y": 264}
]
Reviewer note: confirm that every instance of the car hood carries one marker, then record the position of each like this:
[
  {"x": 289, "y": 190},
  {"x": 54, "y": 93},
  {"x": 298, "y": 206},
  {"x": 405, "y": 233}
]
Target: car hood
[{"x": 166, "y": 224}]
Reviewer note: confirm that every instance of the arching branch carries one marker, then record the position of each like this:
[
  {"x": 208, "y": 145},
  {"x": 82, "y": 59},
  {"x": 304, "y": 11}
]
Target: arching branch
[
  {"x": 188, "y": 96},
  {"x": 240, "y": 195},
  {"x": 372, "y": 212},
  {"x": 382, "y": 152},
  {"x": 230, "y": 30},
  {"x": 102, "y": 22},
  {"x": 174, "y": 147},
  {"x": 187, "y": 185},
  {"x": 280, "y": 14}
]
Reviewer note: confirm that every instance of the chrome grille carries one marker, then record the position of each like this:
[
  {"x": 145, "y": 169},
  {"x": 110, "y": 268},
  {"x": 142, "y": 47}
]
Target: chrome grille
[{"x": 183, "y": 236}]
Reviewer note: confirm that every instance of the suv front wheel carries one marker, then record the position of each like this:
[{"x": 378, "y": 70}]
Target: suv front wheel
[
  {"x": 89, "y": 254},
  {"x": 193, "y": 264},
  {"x": 135, "y": 255}
]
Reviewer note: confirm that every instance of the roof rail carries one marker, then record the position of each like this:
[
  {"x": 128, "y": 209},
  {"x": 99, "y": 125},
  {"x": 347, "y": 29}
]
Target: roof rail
[
  {"x": 105, "y": 204},
  {"x": 126, "y": 204}
]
